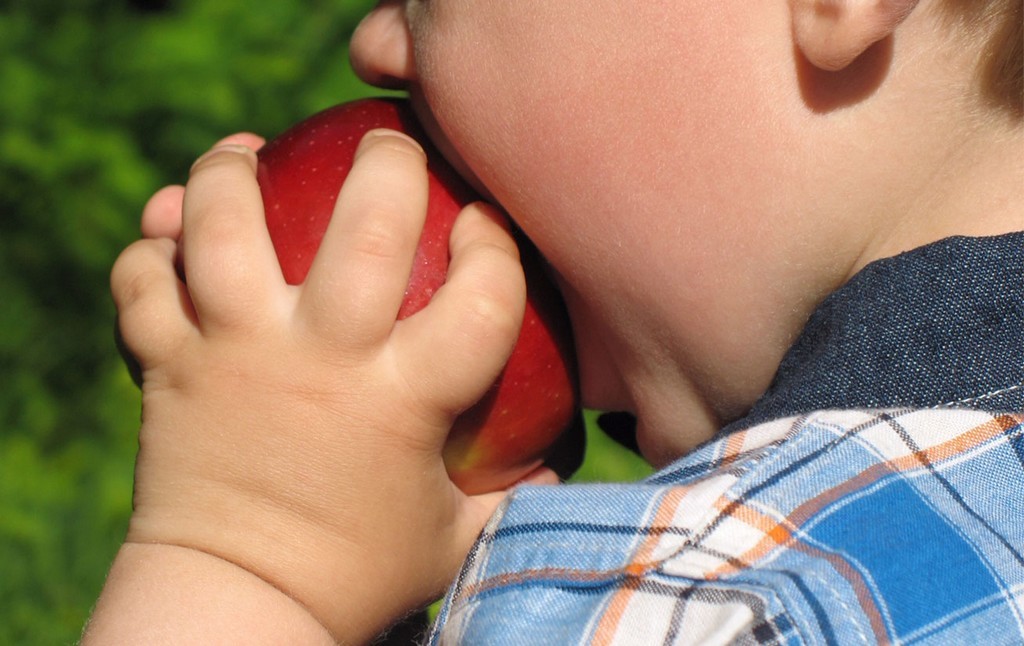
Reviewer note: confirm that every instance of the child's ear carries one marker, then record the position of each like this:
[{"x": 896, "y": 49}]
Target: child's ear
[{"x": 832, "y": 33}]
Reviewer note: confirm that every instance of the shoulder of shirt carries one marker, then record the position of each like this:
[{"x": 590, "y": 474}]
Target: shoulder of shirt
[{"x": 764, "y": 528}]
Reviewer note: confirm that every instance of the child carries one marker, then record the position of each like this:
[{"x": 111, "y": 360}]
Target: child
[{"x": 789, "y": 237}]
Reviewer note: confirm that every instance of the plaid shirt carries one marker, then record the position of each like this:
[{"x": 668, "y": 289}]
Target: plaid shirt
[{"x": 889, "y": 511}]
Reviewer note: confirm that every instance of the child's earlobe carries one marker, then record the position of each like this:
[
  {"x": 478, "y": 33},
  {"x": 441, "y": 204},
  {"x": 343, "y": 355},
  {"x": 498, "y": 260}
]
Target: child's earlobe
[{"x": 833, "y": 33}]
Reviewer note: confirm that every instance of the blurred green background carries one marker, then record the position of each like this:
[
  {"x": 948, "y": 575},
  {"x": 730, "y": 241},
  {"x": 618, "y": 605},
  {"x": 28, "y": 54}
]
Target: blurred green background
[{"x": 101, "y": 103}]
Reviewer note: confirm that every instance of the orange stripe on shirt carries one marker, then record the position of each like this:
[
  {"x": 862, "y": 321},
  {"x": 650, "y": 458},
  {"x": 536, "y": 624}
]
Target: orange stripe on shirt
[
  {"x": 778, "y": 533},
  {"x": 958, "y": 445},
  {"x": 640, "y": 564},
  {"x": 733, "y": 447}
]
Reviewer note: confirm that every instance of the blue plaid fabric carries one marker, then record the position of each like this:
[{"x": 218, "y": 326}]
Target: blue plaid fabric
[{"x": 867, "y": 512}]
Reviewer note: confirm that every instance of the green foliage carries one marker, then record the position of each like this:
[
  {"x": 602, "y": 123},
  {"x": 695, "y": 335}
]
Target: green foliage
[
  {"x": 101, "y": 104},
  {"x": 606, "y": 461}
]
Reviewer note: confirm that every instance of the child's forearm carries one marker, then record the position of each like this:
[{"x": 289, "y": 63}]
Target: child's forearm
[{"x": 163, "y": 594}]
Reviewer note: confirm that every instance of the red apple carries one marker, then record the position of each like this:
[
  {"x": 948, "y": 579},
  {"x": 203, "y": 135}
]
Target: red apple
[{"x": 520, "y": 421}]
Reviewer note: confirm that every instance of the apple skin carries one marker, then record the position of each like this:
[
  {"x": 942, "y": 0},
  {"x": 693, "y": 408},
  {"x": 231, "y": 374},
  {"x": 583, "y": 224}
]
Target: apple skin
[{"x": 531, "y": 412}]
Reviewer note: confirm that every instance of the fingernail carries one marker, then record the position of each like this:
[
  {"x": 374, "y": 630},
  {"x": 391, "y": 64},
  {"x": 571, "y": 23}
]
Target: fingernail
[
  {"x": 382, "y": 134},
  {"x": 236, "y": 149}
]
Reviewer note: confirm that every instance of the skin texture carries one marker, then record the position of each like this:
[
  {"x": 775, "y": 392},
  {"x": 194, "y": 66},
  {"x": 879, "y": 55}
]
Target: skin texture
[
  {"x": 634, "y": 184},
  {"x": 699, "y": 175},
  {"x": 264, "y": 443}
]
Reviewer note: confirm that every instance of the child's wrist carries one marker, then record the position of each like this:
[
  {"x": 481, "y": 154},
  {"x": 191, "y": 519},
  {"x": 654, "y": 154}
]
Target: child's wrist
[
  {"x": 274, "y": 554},
  {"x": 159, "y": 593}
]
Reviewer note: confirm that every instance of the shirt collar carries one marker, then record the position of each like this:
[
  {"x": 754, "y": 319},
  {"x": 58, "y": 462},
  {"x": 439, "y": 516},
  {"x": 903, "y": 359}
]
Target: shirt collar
[{"x": 942, "y": 325}]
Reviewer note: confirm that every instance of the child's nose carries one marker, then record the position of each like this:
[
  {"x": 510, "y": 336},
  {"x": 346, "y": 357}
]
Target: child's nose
[{"x": 381, "y": 48}]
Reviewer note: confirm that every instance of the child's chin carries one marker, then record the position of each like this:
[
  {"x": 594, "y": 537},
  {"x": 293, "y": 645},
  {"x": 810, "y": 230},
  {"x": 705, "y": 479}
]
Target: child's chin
[
  {"x": 599, "y": 386},
  {"x": 658, "y": 455}
]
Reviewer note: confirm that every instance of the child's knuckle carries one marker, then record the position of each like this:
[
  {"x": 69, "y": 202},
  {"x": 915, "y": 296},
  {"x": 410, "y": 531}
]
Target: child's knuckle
[
  {"x": 218, "y": 224},
  {"x": 491, "y": 314},
  {"x": 376, "y": 238},
  {"x": 136, "y": 290},
  {"x": 132, "y": 284}
]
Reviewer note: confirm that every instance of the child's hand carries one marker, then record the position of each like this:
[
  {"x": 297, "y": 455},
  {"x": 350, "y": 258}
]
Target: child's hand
[{"x": 296, "y": 431}]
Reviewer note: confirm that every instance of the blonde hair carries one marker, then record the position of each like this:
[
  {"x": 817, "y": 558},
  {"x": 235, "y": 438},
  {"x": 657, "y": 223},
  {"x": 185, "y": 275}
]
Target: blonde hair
[{"x": 1001, "y": 67}]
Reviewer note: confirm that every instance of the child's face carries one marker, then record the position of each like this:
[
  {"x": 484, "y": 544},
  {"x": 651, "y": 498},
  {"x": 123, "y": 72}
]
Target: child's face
[{"x": 636, "y": 145}]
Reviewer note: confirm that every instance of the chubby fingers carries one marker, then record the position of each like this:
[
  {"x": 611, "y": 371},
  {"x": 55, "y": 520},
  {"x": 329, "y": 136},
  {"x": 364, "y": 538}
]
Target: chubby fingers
[
  {"x": 357, "y": 281},
  {"x": 456, "y": 347},
  {"x": 230, "y": 265},
  {"x": 154, "y": 311},
  {"x": 161, "y": 217}
]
